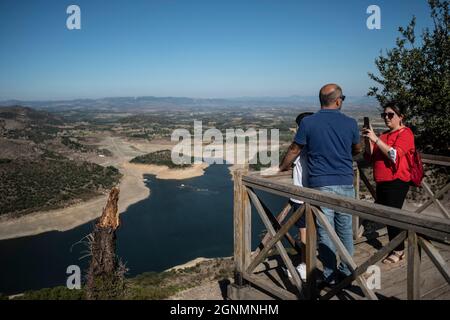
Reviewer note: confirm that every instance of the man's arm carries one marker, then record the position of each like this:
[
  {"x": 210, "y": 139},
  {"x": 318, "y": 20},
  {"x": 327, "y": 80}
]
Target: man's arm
[
  {"x": 292, "y": 153},
  {"x": 356, "y": 149}
]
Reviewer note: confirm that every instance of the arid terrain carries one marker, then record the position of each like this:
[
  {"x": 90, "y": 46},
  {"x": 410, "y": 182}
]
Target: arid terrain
[{"x": 63, "y": 144}]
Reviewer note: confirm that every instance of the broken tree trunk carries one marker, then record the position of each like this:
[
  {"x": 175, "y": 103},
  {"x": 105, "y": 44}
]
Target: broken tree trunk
[{"x": 105, "y": 278}]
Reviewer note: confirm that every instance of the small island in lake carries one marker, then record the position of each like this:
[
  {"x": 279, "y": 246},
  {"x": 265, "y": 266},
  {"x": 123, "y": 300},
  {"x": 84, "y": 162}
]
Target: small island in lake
[{"x": 162, "y": 158}]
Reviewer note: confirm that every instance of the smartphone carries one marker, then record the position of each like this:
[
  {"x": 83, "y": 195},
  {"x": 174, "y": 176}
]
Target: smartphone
[{"x": 366, "y": 123}]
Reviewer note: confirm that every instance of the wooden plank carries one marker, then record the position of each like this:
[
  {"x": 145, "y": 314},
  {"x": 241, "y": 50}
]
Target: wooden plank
[
  {"x": 266, "y": 266},
  {"x": 436, "y": 258},
  {"x": 374, "y": 235},
  {"x": 394, "y": 278},
  {"x": 270, "y": 287},
  {"x": 279, "y": 175},
  {"x": 280, "y": 218},
  {"x": 440, "y": 245},
  {"x": 276, "y": 237},
  {"x": 441, "y": 292},
  {"x": 311, "y": 253},
  {"x": 433, "y": 227},
  {"x": 367, "y": 183},
  {"x": 437, "y": 195},
  {"x": 343, "y": 253},
  {"x": 338, "y": 202},
  {"x": 363, "y": 267},
  {"x": 434, "y": 199},
  {"x": 413, "y": 279},
  {"x": 277, "y": 227},
  {"x": 436, "y": 163},
  {"x": 355, "y": 219},
  {"x": 434, "y": 159}
]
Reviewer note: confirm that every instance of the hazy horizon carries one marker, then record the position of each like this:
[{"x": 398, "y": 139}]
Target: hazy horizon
[
  {"x": 196, "y": 48},
  {"x": 239, "y": 98}
]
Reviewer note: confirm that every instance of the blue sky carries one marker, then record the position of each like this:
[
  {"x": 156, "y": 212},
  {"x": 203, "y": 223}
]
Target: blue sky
[{"x": 194, "y": 48}]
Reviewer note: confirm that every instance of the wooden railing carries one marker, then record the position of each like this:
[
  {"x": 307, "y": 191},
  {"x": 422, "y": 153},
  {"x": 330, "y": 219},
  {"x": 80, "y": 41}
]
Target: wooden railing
[
  {"x": 421, "y": 232},
  {"x": 361, "y": 176}
]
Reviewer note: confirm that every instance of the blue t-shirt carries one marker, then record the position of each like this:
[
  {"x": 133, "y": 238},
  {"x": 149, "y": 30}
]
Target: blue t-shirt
[{"x": 329, "y": 136}]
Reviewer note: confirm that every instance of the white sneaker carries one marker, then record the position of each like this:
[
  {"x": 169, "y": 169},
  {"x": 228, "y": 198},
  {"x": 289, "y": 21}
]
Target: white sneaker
[{"x": 301, "y": 269}]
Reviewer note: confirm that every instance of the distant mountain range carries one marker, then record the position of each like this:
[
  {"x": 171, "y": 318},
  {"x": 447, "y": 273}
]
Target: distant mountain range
[{"x": 150, "y": 102}]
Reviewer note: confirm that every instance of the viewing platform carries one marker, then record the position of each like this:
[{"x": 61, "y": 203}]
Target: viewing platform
[{"x": 259, "y": 274}]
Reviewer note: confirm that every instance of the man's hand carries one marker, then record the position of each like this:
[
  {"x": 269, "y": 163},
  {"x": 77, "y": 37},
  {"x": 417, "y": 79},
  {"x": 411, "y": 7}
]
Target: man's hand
[
  {"x": 272, "y": 171},
  {"x": 293, "y": 152}
]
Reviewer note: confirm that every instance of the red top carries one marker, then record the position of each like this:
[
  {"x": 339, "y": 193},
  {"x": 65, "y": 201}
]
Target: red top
[{"x": 384, "y": 169}]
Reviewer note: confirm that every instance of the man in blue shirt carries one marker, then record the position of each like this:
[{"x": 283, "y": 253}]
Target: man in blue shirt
[{"x": 331, "y": 139}]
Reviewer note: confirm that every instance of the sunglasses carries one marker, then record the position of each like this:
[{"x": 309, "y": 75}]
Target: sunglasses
[
  {"x": 390, "y": 115},
  {"x": 342, "y": 97}
]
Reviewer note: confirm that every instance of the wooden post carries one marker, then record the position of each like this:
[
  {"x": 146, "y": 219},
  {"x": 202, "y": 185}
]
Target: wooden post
[
  {"x": 311, "y": 253},
  {"x": 355, "y": 218},
  {"x": 247, "y": 224},
  {"x": 242, "y": 227},
  {"x": 367, "y": 183},
  {"x": 238, "y": 231},
  {"x": 413, "y": 267}
]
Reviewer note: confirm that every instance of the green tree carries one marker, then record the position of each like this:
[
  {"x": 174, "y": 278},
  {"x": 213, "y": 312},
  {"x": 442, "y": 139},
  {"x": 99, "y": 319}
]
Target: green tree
[{"x": 417, "y": 75}]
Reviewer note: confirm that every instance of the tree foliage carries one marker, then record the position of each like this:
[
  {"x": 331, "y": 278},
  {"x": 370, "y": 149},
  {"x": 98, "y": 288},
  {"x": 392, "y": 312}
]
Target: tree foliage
[{"x": 416, "y": 73}]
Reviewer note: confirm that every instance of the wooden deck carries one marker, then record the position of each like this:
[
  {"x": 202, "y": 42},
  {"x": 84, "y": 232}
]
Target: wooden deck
[{"x": 393, "y": 278}]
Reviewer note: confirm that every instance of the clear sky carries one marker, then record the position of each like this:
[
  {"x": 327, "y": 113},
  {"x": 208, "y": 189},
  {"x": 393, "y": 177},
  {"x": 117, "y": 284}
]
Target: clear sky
[{"x": 194, "y": 48}]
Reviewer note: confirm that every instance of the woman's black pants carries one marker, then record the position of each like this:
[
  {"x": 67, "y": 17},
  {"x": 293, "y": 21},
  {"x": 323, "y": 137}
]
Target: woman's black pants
[{"x": 393, "y": 194}]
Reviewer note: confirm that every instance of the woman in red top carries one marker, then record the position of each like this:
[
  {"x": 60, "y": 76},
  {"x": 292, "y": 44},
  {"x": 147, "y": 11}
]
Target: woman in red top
[{"x": 390, "y": 155}]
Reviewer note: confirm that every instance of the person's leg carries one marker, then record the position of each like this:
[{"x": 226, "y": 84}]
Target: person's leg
[
  {"x": 384, "y": 197},
  {"x": 301, "y": 225},
  {"x": 392, "y": 233},
  {"x": 326, "y": 248},
  {"x": 393, "y": 194},
  {"x": 343, "y": 226}
]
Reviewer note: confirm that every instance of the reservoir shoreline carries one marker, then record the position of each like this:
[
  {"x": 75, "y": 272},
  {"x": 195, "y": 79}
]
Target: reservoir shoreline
[{"x": 132, "y": 190}]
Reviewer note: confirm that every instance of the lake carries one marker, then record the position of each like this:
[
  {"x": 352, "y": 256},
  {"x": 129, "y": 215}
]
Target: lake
[{"x": 178, "y": 222}]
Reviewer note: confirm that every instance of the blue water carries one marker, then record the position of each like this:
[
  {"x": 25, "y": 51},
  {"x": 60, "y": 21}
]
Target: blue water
[{"x": 178, "y": 222}]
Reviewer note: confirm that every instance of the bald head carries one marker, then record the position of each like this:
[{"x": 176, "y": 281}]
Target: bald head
[{"x": 329, "y": 94}]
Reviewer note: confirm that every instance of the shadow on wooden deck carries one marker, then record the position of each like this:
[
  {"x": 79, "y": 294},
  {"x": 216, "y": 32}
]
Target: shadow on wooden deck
[{"x": 393, "y": 278}]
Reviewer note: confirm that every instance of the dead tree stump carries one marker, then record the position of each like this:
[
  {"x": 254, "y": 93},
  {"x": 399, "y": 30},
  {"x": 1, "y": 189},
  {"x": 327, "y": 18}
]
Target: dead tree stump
[{"x": 105, "y": 278}]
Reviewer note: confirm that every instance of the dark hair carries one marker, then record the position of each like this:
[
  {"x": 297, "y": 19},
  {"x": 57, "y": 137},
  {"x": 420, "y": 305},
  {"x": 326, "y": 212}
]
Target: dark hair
[
  {"x": 328, "y": 99},
  {"x": 398, "y": 107},
  {"x": 301, "y": 116}
]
